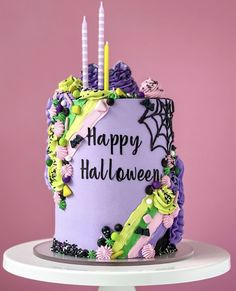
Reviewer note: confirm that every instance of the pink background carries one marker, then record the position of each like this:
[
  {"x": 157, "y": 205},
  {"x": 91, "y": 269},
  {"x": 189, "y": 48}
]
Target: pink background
[{"x": 189, "y": 46}]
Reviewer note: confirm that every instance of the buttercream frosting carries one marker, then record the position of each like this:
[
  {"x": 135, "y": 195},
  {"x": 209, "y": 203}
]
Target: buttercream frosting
[{"x": 151, "y": 89}]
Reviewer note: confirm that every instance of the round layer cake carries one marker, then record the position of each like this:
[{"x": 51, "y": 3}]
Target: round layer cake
[{"x": 114, "y": 172}]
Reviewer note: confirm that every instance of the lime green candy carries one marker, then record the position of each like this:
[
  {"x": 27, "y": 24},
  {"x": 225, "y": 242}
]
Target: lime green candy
[
  {"x": 76, "y": 109},
  {"x": 62, "y": 204},
  {"x": 76, "y": 94},
  {"x": 63, "y": 142},
  {"x": 115, "y": 235},
  {"x": 49, "y": 162},
  {"x": 113, "y": 95}
]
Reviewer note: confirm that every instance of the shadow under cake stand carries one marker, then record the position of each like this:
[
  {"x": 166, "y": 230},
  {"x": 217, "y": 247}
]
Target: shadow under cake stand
[{"x": 194, "y": 261}]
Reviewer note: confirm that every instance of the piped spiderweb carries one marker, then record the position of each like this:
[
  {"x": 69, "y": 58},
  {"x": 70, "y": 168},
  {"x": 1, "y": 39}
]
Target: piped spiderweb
[{"x": 157, "y": 118}]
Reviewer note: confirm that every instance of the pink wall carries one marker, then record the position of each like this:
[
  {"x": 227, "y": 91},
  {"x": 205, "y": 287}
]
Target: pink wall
[{"x": 189, "y": 46}]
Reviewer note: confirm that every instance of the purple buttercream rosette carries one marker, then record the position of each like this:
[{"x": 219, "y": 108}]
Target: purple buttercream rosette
[
  {"x": 176, "y": 231},
  {"x": 120, "y": 77}
]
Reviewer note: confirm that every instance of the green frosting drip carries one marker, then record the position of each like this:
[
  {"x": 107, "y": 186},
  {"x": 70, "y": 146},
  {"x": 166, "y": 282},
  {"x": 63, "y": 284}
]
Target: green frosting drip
[
  {"x": 135, "y": 237},
  {"x": 72, "y": 116}
]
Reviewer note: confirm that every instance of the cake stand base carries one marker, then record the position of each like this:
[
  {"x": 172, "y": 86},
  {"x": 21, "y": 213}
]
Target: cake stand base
[{"x": 207, "y": 261}]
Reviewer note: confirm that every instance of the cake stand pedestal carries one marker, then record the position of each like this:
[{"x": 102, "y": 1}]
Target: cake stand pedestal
[{"x": 208, "y": 261}]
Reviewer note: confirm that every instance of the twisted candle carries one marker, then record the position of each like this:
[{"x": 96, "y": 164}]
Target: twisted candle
[
  {"x": 100, "y": 46},
  {"x": 85, "y": 53}
]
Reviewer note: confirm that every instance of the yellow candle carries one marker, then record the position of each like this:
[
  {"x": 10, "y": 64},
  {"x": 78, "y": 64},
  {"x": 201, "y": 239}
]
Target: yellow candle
[{"x": 106, "y": 66}]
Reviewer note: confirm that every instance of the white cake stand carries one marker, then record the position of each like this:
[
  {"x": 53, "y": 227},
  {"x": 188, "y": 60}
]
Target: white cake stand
[{"x": 208, "y": 261}]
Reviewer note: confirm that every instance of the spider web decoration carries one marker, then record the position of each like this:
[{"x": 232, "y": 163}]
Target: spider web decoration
[{"x": 157, "y": 118}]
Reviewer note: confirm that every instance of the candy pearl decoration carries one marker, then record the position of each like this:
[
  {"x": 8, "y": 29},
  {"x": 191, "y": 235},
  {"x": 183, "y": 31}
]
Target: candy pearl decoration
[
  {"x": 68, "y": 158},
  {"x": 66, "y": 179},
  {"x": 63, "y": 103},
  {"x": 59, "y": 108},
  {"x": 149, "y": 190},
  {"x": 156, "y": 184},
  {"x": 63, "y": 142},
  {"x": 141, "y": 94},
  {"x": 114, "y": 235},
  {"x": 149, "y": 201},
  {"x": 49, "y": 162},
  {"x": 110, "y": 101}
]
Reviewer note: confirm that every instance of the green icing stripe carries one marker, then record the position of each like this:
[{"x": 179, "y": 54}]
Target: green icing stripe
[
  {"x": 135, "y": 237},
  {"x": 72, "y": 116}
]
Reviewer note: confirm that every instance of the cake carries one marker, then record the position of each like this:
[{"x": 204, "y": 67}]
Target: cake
[{"x": 113, "y": 168}]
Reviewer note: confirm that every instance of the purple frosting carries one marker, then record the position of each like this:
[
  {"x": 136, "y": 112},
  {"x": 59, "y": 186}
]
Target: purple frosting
[
  {"x": 176, "y": 231},
  {"x": 120, "y": 77}
]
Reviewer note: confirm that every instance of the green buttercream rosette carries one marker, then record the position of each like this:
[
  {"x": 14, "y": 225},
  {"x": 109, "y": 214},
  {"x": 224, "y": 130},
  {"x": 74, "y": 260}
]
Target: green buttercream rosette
[{"x": 164, "y": 200}]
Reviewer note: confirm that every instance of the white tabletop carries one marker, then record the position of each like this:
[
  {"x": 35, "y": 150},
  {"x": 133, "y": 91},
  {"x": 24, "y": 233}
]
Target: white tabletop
[{"x": 208, "y": 261}]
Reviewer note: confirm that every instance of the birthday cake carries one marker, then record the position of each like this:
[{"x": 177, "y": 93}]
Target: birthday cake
[{"x": 112, "y": 167}]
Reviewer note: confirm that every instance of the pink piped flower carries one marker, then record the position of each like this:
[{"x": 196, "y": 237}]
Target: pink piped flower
[
  {"x": 104, "y": 253},
  {"x": 56, "y": 198},
  {"x": 67, "y": 170},
  {"x": 165, "y": 180},
  {"x": 176, "y": 212},
  {"x": 59, "y": 129},
  {"x": 148, "y": 251},
  {"x": 61, "y": 152},
  {"x": 52, "y": 111},
  {"x": 168, "y": 220},
  {"x": 151, "y": 89}
]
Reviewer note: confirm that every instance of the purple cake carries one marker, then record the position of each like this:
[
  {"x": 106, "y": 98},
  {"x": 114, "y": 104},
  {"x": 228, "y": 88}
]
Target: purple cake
[{"x": 112, "y": 166}]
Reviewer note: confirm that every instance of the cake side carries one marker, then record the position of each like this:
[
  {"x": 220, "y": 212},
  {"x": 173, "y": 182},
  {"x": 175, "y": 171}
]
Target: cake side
[{"x": 112, "y": 167}]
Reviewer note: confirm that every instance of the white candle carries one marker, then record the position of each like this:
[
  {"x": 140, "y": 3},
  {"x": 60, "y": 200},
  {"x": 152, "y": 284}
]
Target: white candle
[
  {"x": 85, "y": 53},
  {"x": 100, "y": 46}
]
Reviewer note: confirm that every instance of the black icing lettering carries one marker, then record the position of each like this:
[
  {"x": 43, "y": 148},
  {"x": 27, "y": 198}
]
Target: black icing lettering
[
  {"x": 123, "y": 142},
  {"x": 103, "y": 172},
  {"x": 114, "y": 141},
  {"x": 84, "y": 169},
  {"x": 148, "y": 176},
  {"x": 94, "y": 174},
  {"x": 131, "y": 174},
  {"x": 91, "y": 135},
  {"x": 155, "y": 175},
  {"x": 106, "y": 171},
  {"x": 102, "y": 140},
  {"x": 120, "y": 174},
  {"x": 141, "y": 175},
  {"x": 136, "y": 142}
]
